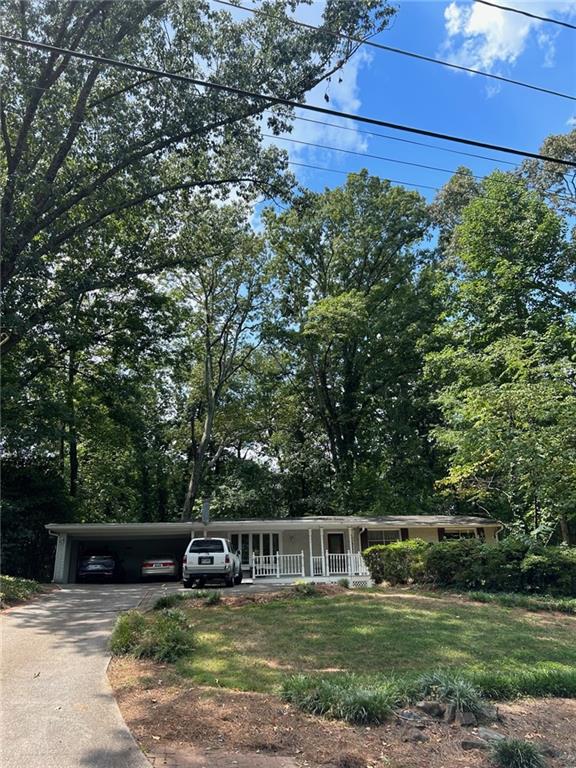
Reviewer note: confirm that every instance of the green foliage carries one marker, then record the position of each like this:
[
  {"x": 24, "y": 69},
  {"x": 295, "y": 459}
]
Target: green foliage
[
  {"x": 127, "y": 633},
  {"x": 516, "y": 753},
  {"x": 32, "y": 495},
  {"x": 170, "y": 601},
  {"x": 397, "y": 563},
  {"x": 539, "y": 682},
  {"x": 211, "y": 596},
  {"x": 507, "y": 566},
  {"x": 165, "y": 636},
  {"x": 304, "y": 589},
  {"x": 349, "y": 697},
  {"x": 528, "y": 602},
  {"x": 14, "y": 590},
  {"x": 344, "y": 583},
  {"x": 451, "y": 688}
]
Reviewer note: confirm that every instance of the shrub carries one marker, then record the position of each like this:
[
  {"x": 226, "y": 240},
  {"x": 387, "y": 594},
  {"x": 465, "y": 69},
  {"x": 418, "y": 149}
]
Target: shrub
[
  {"x": 515, "y": 753},
  {"x": 396, "y": 563},
  {"x": 346, "y": 697},
  {"x": 211, "y": 597},
  {"x": 163, "y": 636},
  {"x": 13, "y": 589},
  {"x": 127, "y": 632},
  {"x": 455, "y": 563},
  {"x": 169, "y": 601},
  {"x": 344, "y": 583},
  {"x": 304, "y": 589},
  {"x": 166, "y": 637},
  {"x": 451, "y": 688}
]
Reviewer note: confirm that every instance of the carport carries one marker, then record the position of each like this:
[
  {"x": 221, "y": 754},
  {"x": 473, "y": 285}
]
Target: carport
[{"x": 130, "y": 544}]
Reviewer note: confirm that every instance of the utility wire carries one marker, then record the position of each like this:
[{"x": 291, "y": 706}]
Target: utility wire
[
  {"x": 369, "y": 155},
  {"x": 404, "y": 141},
  {"x": 105, "y": 61},
  {"x": 402, "y": 52},
  {"x": 523, "y": 13}
]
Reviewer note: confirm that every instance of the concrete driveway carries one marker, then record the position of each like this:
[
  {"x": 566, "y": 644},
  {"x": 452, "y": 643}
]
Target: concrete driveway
[{"x": 57, "y": 706}]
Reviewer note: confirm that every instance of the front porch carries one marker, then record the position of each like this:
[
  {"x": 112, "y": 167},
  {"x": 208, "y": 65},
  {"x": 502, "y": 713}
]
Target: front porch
[{"x": 327, "y": 567}]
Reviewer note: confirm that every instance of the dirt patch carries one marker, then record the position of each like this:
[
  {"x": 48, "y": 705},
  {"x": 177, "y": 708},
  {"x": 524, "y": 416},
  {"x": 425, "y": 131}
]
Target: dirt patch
[
  {"x": 262, "y": 598},
  {"x": 193, "y": 727}
]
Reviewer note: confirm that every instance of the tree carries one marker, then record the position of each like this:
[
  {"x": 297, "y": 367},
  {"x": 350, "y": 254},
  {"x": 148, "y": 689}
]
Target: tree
[
  {"x": 223, "y": 298},
  {"x": 505, "y": 381},
  {"x": 350, "y": 279},
  {"x": 94, "y": 155},
  {"x": 556, "y": 183}
]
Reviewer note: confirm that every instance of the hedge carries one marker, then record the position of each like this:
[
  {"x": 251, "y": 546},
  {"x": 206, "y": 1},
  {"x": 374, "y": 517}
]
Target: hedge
[{"x": 512, "y": 565}]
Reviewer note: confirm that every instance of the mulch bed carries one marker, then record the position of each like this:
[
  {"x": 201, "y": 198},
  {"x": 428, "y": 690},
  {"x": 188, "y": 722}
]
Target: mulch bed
[{"x": 195, "y": 726}]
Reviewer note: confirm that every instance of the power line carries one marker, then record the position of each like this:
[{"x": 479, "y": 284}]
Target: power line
[
  {"x": 523, "y": 13},
  {"x": 347, "y": 173},
  {"x": 387, "y": 159},
  {"x": 367, "y": 154},
  {"x": 403, "y": 52},
  {"x": 404, "y": 141},
  {"x": 281, "y": 100}
]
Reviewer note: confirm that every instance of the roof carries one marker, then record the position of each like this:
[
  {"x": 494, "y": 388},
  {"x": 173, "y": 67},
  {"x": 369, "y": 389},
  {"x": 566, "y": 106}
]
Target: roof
[{"x": 255, "y": 524}]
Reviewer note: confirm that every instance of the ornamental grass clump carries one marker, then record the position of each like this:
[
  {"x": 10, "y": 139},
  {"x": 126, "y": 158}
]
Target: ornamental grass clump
[
  {"x": 453, "y": 689},
  {"x": 13, "y": 589},
  {"x": 557, "y": 681},
  {"x": 516, "y": 753},
  {"x": 348, "y": 697}
]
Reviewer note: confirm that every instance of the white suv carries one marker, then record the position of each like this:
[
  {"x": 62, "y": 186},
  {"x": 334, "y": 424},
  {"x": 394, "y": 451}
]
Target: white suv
[{"x": 211, "y": 559}]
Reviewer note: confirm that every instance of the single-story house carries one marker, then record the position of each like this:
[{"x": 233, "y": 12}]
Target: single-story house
[{"x": 319, "y": 548}]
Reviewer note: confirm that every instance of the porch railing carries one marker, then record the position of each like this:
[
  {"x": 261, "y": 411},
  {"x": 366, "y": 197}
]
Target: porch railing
[
  {"x": 345, "y": 564},
  {"x": 278, "y": 565}
]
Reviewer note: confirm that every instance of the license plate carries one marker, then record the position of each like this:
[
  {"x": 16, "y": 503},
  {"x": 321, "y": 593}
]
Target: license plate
[
  {"x": 205, "y": 560},
  {"x": 95, "y": 567},
  {"x": 158, "y": 565}
]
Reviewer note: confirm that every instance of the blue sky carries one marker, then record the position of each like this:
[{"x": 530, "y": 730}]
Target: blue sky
[{"x": 395, "y": 88}]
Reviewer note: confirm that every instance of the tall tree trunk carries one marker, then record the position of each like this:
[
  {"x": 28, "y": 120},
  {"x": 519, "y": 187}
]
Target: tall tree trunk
[
  {"x": 198, "y": 464},
  {"x": 72, "y": 431},
  {"x": 567, "y": 537}
]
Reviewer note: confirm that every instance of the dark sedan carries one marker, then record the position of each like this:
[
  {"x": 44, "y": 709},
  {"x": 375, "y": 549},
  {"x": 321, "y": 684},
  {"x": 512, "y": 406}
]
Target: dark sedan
[{"x": 98, "y": 567}]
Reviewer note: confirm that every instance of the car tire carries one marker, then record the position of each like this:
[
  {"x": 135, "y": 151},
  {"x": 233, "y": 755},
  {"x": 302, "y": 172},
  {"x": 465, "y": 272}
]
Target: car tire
[
  {"x": 238, "y": 578},
  {"x": 187, "y": 583},
  {"x": 229, "y": 581}
]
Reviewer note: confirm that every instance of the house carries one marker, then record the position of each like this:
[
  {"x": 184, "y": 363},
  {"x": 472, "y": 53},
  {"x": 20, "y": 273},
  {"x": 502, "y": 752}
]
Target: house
[{"x": 319, "y": 548}]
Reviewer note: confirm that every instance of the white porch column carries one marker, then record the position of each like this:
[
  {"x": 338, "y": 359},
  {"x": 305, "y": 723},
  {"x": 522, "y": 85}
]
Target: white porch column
[
  {"x": 349, "y": 567},
  {"x": 323, "y": 553},
  {"x": 311, "y": 555}
]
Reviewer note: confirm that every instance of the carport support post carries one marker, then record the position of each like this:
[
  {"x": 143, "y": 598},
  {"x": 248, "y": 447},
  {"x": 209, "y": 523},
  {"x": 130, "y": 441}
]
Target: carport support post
[
  {"x": 62, "y": 559},
  {"x": 311, "y": 555}
]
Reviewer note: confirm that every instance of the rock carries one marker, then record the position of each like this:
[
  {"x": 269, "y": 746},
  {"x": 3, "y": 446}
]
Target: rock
[
  {"x": 489, "y": 735},
  {"x": 471, "y": 742},
  {"x": 411, "y": 717},
  {"x": 414, "y": 735},
  {"x": 465, "y": 718},
  {"x": 432, "y": 708},
  {"x": 450, "y": 712},
  {"x": 490, "y": 713}
]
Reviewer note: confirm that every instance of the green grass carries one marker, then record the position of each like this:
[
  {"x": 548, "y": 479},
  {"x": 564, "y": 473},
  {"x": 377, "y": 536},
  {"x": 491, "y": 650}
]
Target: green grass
[
  {"x": 14, "y": 590},
  {"x": 528, "y": 602},
  {"x": 162, "y": 636},
  {"x": 256, "y": 646}
]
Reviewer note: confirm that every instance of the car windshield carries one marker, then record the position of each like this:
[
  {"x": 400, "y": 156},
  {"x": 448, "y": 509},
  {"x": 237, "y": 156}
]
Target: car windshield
[
  {"x": 207, "y": 545},
  {"x": 108, "y": 561}
]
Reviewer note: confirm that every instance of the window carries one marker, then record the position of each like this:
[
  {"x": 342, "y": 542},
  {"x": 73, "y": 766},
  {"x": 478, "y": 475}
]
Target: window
[
  {"x": 383, "y": 537},
  {"x": 459, "y": 533},
  {"x": 207, "y": 545}
]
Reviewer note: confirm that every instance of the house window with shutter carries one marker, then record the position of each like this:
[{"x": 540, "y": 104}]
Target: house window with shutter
[{"x": 383, "y": 537}]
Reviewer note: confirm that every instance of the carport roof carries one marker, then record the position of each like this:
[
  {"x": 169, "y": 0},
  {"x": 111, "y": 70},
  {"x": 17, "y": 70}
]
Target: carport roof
[{"x": 183, "y": 528}]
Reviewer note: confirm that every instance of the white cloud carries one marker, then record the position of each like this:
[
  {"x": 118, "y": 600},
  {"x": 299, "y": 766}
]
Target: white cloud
[
  {"x": 484, "y": 37},
  {"x": 571, "y": 122}
]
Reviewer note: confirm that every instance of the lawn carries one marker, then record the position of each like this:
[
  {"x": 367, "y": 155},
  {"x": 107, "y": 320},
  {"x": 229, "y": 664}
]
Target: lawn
[{"x": 251, "y": 647}]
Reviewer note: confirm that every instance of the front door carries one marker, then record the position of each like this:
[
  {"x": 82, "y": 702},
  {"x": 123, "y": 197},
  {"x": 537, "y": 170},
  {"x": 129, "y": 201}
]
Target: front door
[{"x": 335, "y": 543}]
